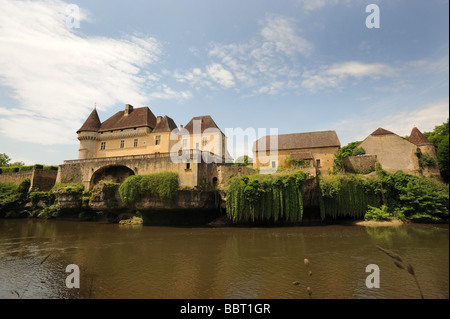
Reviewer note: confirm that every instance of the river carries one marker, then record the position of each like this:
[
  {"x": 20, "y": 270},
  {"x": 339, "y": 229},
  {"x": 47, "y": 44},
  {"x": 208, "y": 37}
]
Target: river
[{"x": 123, "y": 261}]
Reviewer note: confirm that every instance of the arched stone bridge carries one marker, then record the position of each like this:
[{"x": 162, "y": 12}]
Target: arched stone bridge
[{"x": 196, "y": 172}]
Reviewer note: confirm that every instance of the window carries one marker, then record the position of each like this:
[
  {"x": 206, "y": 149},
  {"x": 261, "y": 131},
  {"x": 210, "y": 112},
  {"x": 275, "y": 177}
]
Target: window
[
  {"x": 122, "y": 144},
  {"x": 188, "y": 165},
  {"x": 184, "y": 143},
  {"x": 135, "y": 142},
  {"x": 103, "y": 146},
  {"x": 204, "y": 141},
  {"x": 274, "y": 164},
  {"x": 158, "y": 140},
  {"x": 318, "y": 163}
]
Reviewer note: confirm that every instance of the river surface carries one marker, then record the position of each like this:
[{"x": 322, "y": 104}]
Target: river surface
[{"x": 123, "y": 261}]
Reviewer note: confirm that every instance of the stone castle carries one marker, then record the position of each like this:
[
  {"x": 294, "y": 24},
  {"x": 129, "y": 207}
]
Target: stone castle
[{"x": 135, "y": 142}]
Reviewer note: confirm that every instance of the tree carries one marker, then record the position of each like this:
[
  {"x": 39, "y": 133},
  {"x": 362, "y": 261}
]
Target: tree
[
  {"x": 345, "y": 151},
  {"x": 442, "y": 155},
  {"x": 439, "y": 137},
  {"x": 244, "y": 160},
  {"x": 4, "y": 159}
]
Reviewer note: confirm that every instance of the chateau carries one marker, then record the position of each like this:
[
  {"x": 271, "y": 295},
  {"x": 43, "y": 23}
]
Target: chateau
[
  {"x": 136, "y": 142},
  {"x": 138, "y": 132}
]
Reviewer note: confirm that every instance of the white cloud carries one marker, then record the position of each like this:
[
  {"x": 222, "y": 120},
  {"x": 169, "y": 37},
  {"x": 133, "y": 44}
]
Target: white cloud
[
  {"x": 281, "y": 32},
  {"x": 266, "y": 60},
  {"x": 335, "y": 75},
  {"x": 56, "y": 75},
  {"x": 220, "y": 75},
  {"x": 424, "y": 117}
]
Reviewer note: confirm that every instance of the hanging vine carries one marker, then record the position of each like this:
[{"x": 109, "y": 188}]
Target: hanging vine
[{"x": 266, "y": 198}]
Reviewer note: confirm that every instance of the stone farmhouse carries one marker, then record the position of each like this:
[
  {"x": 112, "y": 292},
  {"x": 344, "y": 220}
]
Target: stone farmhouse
[
  {"x": 316, "y": 147},
  {"x": 394, "y": 152}
]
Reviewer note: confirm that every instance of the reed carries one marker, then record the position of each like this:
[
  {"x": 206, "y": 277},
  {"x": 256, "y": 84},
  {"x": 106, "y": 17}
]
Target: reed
[
  {"x": 32, "y": 277},
  {"x": 401, "y": 264}
]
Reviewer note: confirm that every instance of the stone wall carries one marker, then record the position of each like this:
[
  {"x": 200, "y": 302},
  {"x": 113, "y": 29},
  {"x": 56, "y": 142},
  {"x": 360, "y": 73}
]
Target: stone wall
[
  {"x": 15, "y": 178},
  {"x": 41, "y": 180},
  {"x": 360, "y": 164}
]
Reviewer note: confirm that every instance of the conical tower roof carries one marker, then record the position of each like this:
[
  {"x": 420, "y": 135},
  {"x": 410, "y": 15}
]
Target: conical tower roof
[
  {"x": 92, "y": 123},
  {"x": 418, "y": 138}
]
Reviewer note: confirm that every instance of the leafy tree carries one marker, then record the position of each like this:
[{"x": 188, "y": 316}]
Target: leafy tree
[
  {"x": 439, "y": 137},
  {"x": 244, "y": 160},
  {"x": 442, "y": 155},
  {"x": 4, "y": 159},
  {"x": 345, "y": 151}
]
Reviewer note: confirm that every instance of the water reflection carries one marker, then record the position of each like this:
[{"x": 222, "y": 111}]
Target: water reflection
[{"x": 163, "y": 262}]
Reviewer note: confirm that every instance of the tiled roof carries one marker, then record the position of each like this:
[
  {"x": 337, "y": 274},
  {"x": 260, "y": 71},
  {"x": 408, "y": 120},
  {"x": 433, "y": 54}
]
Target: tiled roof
[
  {"x": 299, "y": 141},
  {"x": 166, "y": 124},
  {"x": 381, "y": 131},
  {"x": 206, "y": 122},
  {"x": 92, "y": 124},
  {"x": 418, "y": 138},
  {"x": 139, "y": 117}
]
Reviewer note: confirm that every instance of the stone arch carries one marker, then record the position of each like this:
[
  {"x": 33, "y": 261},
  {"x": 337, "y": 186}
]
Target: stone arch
[{"x": 113, "y": 173}]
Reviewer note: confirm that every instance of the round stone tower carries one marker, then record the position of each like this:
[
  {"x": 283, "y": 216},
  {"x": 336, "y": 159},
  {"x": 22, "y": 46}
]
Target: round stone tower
[{"x": 88, "y": 136}]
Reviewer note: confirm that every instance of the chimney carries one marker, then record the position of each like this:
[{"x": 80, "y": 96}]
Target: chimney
[
  {"x": 158, "y": 119},
  {"x": 181, "y": 127},
  {"x": 128, "y": 109}
]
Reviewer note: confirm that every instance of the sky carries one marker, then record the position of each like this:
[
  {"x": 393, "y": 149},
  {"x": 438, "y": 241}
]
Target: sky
[{"x": 294, "y": 66}]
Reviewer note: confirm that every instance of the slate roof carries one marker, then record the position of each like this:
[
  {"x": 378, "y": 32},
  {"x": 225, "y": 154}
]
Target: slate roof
[{"x": 299, "y": 141}]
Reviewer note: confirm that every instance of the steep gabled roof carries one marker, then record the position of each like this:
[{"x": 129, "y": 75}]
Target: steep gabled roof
[
  {"x": 299, "y": 141},
  {"x": 139, "y": 117},
  {"x": 206, "y": 122},
  {"x": 418, "y": 138},
  {"x": 381, "y": 131},
  {"x": 166, "y": 124},
  {"x": 92, "y": 124}
]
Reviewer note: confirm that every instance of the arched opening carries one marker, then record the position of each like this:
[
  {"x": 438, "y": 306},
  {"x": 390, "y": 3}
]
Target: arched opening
[{"x": 112, "y": 173}]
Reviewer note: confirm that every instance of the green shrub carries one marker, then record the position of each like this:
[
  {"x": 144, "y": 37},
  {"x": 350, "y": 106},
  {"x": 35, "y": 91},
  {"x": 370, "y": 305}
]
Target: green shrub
[
  {"x": 294, "y": 162},
  {"x": 407, "y": 196},
  {"x": 377, "y": 214},
  {"x": 68, "y": 188},
  {"x": 24, "y": 186},
  {"x": 358, "y": 151},
  {"x": 162, "y": 185},
  {"x": 49, "y": 212}
]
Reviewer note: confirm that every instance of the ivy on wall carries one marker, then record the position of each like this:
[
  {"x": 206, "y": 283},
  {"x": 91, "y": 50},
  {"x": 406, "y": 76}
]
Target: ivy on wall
[{"x": 266, "y": 198}]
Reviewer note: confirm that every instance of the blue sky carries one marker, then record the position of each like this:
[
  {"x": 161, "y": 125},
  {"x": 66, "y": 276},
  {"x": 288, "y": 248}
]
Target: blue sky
[{"x": 297, "y": 66}]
